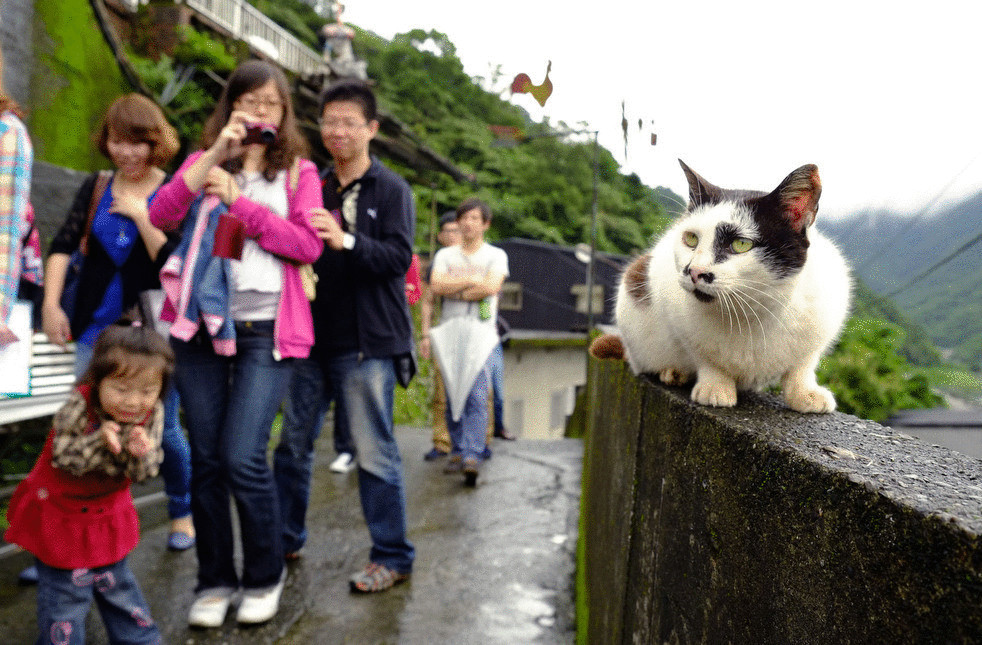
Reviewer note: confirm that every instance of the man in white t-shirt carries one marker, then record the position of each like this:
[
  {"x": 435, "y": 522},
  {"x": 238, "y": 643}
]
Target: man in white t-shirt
[{"x": 469, "y": 277}]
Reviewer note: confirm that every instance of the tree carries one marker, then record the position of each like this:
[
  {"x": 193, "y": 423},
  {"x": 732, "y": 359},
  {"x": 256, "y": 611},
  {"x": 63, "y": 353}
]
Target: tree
[{"x": 868, "y": 375}]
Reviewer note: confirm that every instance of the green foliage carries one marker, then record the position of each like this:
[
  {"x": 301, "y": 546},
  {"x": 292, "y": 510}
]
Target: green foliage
[
  {"x": 412, "y": 404},
  {"x": 869, "y": 377},
  {"x": 916, "y": 346},
  {"x": 75, "y": 79},
  {"x": 541, "y": 188},
  {"x": 198, "y": 48},
  {"x": 187, "y": 103}
]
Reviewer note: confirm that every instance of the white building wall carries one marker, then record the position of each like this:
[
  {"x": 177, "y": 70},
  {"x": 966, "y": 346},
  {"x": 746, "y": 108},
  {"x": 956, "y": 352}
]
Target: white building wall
[{"x": 538, "y": 380}]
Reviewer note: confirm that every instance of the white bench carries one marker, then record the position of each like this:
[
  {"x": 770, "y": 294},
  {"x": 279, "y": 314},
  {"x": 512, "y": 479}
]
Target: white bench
[{"x": 51, "y": 380}]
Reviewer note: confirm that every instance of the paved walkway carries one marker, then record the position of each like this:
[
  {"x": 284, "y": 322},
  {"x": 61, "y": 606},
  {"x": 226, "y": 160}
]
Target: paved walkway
[{"x": 494, "y": 564}]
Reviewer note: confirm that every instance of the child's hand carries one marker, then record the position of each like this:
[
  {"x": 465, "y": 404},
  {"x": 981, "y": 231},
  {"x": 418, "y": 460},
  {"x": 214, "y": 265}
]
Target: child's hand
[
  {"x": 138, "y": 443},
  {"x": 110, "y": 434}
]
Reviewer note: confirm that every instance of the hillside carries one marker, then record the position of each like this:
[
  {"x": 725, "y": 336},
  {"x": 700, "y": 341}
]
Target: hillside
[{"x": 895, "y": 255}]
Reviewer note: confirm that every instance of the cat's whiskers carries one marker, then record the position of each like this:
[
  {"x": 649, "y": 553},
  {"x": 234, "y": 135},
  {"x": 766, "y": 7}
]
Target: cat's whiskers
[
  {"x": 739, "y": 299},
  {"x": 778, "y": 319},
  {"x": 724, "y": 299}
]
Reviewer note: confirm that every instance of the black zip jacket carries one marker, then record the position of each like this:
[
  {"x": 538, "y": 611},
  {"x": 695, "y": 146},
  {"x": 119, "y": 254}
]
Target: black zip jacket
[{"x": 361, "y": 293}]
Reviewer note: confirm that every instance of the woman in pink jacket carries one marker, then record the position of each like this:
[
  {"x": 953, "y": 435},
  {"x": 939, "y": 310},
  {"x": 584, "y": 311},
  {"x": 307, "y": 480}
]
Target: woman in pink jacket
[{"x": 251, "y": 166}]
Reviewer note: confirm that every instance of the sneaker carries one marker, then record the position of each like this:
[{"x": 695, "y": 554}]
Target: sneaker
[
  {"x": 470, "y": 471},
  {"x": 178, "y": 541},
  {"x": 434, "y": 455},
  {"x": 375, "y": 578},
  {"x": 259, "y": 605},
  {"x": 210, "y": 607},
  {"x": 28, "y": 576},
  {"x": 343, "y": 463}
]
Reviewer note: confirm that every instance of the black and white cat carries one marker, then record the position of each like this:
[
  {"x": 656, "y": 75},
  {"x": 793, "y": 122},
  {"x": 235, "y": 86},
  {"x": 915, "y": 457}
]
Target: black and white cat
[{"x": 741, "y": 292}]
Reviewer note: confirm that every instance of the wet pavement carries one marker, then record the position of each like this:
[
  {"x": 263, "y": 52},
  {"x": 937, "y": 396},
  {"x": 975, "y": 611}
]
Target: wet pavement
[{"x": 494, "y": 564}]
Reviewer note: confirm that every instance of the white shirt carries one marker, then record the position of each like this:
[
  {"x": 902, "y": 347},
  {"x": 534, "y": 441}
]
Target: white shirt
[
  {"x": 486, "y": 260},
  {"x": 257, "y": 278}
]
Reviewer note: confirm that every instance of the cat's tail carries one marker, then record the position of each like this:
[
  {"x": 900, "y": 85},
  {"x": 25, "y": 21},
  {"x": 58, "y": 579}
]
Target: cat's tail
[{"x": 607, "y": 346}]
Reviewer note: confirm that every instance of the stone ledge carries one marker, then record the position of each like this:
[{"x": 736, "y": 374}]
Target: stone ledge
[{"x": 759, "y": 524}]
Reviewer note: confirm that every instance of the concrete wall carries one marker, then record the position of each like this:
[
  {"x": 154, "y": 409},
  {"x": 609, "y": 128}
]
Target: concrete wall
[
  {"x": 536, "y": 374},
  {"x": 16, "y": 35},
  {"x": 760, "y": 525}
]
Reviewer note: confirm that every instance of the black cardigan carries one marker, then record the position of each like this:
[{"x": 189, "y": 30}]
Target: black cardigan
[{"x": 139, "y": 272}]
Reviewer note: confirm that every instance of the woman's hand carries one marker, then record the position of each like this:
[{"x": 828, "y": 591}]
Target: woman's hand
[
  {"x": 221, "y": 184},
  {"x": 55, "y": 324},
  {"x": 6, "y": 336},
  {"x": 132, "y": 207},
  {"x": 229, "y": 141}
]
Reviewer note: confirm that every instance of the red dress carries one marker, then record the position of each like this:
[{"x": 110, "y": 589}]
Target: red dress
[{"x": 71, "y": 522}]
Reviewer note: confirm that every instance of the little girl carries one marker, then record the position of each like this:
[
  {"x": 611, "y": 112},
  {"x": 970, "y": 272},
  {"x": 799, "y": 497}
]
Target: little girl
[{"x": 74, "y": 511}]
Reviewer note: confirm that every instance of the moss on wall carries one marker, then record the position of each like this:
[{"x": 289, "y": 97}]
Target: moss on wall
[
  {"x": 74, "y": 80},
  {"x": 756, "y": 524}
]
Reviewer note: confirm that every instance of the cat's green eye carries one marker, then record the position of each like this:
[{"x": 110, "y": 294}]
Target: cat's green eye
[
  {"x": 741, "y": 245},
  {"x": 690, "y": 239}
]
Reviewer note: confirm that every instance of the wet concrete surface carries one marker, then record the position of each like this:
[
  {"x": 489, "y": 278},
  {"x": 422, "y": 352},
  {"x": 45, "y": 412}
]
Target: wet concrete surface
[{"x": 494, "y": 564}]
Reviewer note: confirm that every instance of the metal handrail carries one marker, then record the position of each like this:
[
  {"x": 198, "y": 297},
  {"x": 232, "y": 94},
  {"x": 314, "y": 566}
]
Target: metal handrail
[{"x": 260, "y": 32}]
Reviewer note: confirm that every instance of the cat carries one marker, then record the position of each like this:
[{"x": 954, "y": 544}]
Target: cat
[{"x": 741, "y": 293}]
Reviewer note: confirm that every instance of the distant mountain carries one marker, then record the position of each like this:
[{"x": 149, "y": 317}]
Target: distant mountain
[{"x": 896, "y": 255}]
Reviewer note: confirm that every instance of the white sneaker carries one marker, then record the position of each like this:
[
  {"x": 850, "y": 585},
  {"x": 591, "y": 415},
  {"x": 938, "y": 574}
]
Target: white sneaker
[
  {"x": 343, "y": 463},
  {"x": 210, "y": 607},
  {"x": 259, "y": 605}
]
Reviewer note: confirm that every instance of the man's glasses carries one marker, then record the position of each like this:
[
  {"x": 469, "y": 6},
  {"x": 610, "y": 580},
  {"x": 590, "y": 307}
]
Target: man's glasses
[{"x": 347, "y": 125}]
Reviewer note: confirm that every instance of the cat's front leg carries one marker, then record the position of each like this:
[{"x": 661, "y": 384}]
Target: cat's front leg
[
  {"x": 714, "y": 388},
  {"x": 802, "y": 392}
]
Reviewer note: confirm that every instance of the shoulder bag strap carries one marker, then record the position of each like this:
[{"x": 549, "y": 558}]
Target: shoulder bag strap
[{"x": 98, "y": 190}]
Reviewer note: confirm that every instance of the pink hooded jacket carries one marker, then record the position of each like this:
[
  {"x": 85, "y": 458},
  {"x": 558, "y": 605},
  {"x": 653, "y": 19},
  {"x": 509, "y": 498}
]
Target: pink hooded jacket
[{"x": 293, "y": 238}]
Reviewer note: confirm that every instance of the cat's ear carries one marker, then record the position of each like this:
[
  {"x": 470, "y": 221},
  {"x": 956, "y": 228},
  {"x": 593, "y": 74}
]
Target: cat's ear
[
  {"x": 798, "y": 196},
  {"x": 701, "y": 192}
]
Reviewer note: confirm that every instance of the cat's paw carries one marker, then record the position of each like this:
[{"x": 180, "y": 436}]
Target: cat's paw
[
  {"x": 719, "y": 395},
  {"x": 816, "y": 400},
  {"x": 672, "y": 376}
]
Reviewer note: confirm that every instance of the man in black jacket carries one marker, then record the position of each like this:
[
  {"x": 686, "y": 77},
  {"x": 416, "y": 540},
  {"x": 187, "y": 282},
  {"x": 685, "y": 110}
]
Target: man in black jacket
[{"x": 362, "y": 325}]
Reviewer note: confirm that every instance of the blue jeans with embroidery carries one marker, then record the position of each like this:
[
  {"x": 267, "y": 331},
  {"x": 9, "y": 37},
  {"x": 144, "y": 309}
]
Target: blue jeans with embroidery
[
  {"x": 229, "y": 405},
  {"x": 64, "y": 598}
]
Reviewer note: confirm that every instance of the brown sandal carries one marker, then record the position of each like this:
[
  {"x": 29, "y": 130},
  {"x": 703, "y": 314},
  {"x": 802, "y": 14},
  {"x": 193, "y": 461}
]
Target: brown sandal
[{"x": 376, "y": 577}]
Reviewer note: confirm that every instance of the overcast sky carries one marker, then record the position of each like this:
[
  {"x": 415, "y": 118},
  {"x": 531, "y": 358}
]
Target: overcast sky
[{"x": 886, "y": 100}]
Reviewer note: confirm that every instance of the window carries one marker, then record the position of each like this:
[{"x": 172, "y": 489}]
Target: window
[
  {"x": 579, "y": 290},
  {"x": 510, "y": 298}
]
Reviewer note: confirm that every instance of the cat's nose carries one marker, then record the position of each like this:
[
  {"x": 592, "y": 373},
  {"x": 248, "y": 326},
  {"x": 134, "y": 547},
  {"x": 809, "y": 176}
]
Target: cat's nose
[{"x": 697, "y": 274}]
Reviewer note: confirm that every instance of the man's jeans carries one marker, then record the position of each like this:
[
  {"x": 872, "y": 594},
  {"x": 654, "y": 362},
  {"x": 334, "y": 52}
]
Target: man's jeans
[
  {"x": 497, "y": 367},
  {"x": 64, "y": 598},
  {"x": 366, "y": 389},
  {"x": 467, "y": 436},
  {"x": 229, "y": 404},
  {"x": 303, "y": 415}
]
